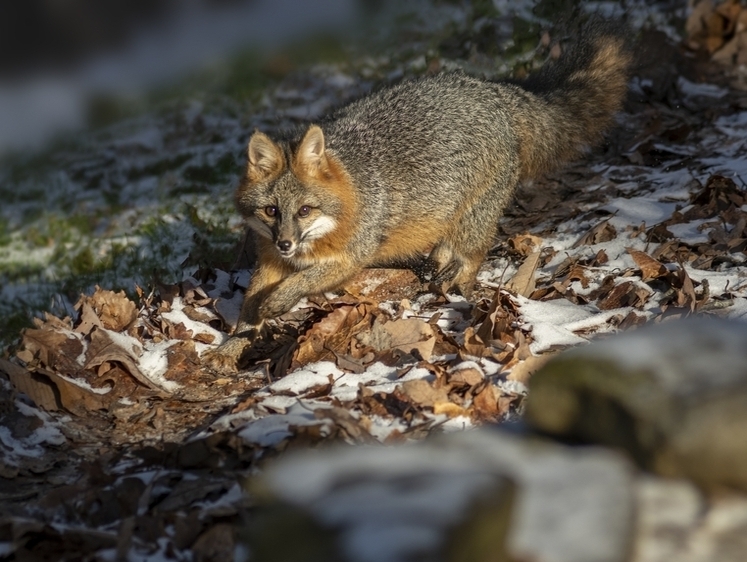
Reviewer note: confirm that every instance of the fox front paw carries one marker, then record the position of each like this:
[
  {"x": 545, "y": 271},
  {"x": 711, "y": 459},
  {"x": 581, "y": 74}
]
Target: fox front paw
[
  {"x": 275, "y": 306},
  {"x": 225, "y": 358}
]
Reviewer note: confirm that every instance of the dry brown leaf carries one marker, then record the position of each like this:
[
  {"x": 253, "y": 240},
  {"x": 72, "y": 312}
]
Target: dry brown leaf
[
  {"x": 384, "y": 284},
  {"x": 344, "y": 420},
  {"x": 602, "y": 232},
  {"x": 319, "y": 390},
  {"x": 88, "y": 319},
  {"x": 686, "y": 295},
  {"x": 422, "y": 392},
  {"x": 184, "y": 366},
  {"x": 469, "y": 376},
  {"x": 485, "y": 406},
  {"x": 115, "y": 310},
  {"x": 523, "y": 371},
  {"x": 450, "y": 409},
  {"x": 200, "y": 314},
  {"x": 577, "y": 272},
  {"x": 103, "y": 348},
  {"x": 353, "y": 364},
  {"x": 37, "y": 387},
  {"x": 498, "y": 319},
  {"x": 695, "y": 25},
  {"x": 53, "y": 349},
  {"x": 523, "y": 283},
  {"x": 650, "y": 268},
  {"x": 622, "y": 295},
  {"x": 526, "y": 244},
  {"x": 473, "y": 344},
  {"x": 411, "y": 334},
  {"x": 312, "y": 345},
  {"x": 79, "y": 400}
]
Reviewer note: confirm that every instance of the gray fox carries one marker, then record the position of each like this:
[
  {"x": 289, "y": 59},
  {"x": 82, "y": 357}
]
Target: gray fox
[{"x": 425, "y": 167}]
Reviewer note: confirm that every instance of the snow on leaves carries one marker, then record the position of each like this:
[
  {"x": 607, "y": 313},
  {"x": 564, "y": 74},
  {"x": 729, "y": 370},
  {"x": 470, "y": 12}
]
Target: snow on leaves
[
  {"x": 119, "y": 358},
  {"x": 419, "y": 358}
]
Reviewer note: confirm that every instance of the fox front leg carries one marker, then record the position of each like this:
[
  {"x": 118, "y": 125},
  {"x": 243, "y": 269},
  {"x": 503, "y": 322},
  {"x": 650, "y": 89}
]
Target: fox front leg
[
  {"x": 225, "y": 358},
  {"x": 314, "y": 280}
]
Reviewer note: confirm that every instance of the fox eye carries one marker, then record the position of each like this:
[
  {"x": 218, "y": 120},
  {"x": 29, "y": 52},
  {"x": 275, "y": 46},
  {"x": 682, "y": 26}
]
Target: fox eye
[
  {"x": 304, "y": 211},
  {"x": 271, "y": 211}
]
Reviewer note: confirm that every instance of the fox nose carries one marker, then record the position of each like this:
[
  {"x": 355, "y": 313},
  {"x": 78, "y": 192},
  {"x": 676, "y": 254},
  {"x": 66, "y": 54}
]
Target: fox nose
[{"x": 284, "y": 245}]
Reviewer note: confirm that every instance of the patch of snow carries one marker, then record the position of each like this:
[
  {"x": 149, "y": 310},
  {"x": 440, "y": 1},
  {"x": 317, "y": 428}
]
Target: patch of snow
[
  {"x": 48, "y": 432},
  {"x": 233, "y": 496},
  {"x": 177, "y": 316},
  {"x": 14, "y": 449},
  {"x": 154, "y": 363},
  {"x": 637, "y": 210},
  {"x": 271, "y": 430},
  {"x": 307, "y": 377},
  {"x": 553, "y": 322},
  {"x": 690, "y": 232},
  {"x": 691, "y": 89},
  {"x": 85, "y": 384}
]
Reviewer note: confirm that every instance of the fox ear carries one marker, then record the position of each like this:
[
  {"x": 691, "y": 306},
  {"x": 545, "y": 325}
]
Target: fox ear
[
  {"x": 310, "y": 154},
  {"x": 265, "y": 157}
]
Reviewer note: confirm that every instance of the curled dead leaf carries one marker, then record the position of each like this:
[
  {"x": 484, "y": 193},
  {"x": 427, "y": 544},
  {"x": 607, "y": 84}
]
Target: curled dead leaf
[
  {"x": 115, "y": 311},
  {"x": 526, "y": 244},
  {"x": 469, "y": 376},
  {"x": 523, "y": 283},
  {"x": 602, "y": 232},
  {"x": 650, "y": 268}
]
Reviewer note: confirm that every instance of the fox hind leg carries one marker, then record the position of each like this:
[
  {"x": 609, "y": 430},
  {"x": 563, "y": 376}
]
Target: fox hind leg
[{"x": 460, "y": 254}]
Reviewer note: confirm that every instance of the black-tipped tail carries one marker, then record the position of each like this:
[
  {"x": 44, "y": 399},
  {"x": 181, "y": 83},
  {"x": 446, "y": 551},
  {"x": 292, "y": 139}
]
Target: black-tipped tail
[{"x": 574, "y": 99}]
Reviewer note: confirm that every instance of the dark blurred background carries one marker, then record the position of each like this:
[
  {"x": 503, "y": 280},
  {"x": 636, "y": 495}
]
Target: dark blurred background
[{"x": 55, "y": 55}]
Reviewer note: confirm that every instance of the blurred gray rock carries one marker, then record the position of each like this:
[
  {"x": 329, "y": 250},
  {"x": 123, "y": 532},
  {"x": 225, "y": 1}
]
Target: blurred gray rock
[
  {"x": 477, "y": 496},
  {"x": 673, "y": 395}
]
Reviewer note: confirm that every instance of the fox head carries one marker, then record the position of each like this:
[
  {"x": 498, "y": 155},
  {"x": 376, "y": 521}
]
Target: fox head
[{"x": 293, "y": 195}]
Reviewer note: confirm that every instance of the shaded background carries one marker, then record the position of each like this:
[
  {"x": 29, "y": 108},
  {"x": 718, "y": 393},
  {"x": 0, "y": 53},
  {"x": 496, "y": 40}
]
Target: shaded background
[{"x": 57, "y": 56}]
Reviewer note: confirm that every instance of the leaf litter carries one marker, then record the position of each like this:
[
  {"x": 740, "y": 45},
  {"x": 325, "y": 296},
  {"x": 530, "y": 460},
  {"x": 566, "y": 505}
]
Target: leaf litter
[{"x": 111, "y": 410}]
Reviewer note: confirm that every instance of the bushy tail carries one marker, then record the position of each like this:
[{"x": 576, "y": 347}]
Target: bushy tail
[{"x": 574, "y": 99}]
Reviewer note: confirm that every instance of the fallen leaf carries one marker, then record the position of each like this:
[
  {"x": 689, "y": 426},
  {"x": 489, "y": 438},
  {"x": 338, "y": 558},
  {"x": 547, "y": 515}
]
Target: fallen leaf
[
  {"x": 523, "y": 371},
  {"x": 384, "y": 284},
  {"x": 523, "y": 282},
  {"x": 473, "y": 344},
  {"x": 526, "y": 244},
  {"x": 88, "y": 319},
  {"x": 103, "y": 348},
  {"x": 650, "y": 268},
  {"x": 37, "y": 387},
  {"x": 115, "y": 310},
  {"x": 347, "y": 422},
  {"x": 602, "y": 232},
  {"x": 485, "y": 406},
  {"x": 469, "y": 376},
  {"x": 79, "y": 400},
  {"x": 411, "y": 334},
  {"x": 450, "y": 409},
  {"x": 622, "y": 295},
  {"x": 422, "y": 392}
]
